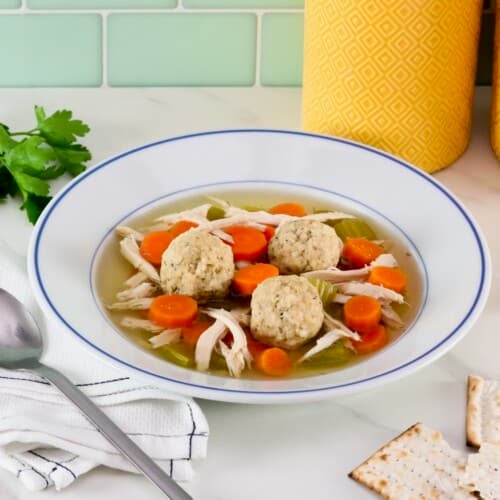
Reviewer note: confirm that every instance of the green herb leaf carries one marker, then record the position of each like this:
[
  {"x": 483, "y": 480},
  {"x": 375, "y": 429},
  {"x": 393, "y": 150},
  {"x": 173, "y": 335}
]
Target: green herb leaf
[
  {"x": 6, "y": 141},
  {"x": 8, "y": 185},
  {"x": 32, "y": 153},
  {"x": 43, "y": 153},
  {"x": 34, "y": 205},
  {"x": 60, "y": 130},
  {"x": 29, "y": 184},
  {"x": 40, "y": 115},
  {"x": 72, "y": 158}
]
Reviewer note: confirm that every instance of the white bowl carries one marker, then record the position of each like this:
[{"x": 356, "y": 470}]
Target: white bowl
[{"x": 449, "y": 251}]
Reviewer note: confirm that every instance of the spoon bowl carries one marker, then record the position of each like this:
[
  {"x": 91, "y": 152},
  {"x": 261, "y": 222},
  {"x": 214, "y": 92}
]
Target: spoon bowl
[{"x": 21, "y": 341}]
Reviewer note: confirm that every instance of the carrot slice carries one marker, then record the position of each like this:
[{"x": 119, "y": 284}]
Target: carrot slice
[
  {"x": 362, "y": 312},
  {"x": 360, "y": 251},
  {"x": 371, "y": 340},
  {"x": 289, "y": 208},
  {"x": 191, "y": 333},
  {"x": 274, "y": 361},
  {"x": 388, "y": 277},
  {"x": 269, "y": 232},
  {"x": 154, "y": 244},
  {"x": 246, "y": 280},
  {"x": 173, "y": 311},
  {"x": 181, "y": 227},
  {"x": 249, "y": 243}
]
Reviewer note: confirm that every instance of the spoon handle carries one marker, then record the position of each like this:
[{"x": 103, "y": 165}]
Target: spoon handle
[{"x": 114, "y": 434}]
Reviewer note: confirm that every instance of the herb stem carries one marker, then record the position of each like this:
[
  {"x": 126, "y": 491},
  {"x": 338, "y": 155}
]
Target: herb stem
[{"x": 29, "y": 132}]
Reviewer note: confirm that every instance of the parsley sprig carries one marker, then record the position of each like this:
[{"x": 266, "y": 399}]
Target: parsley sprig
[{"x": 28, "y": 160}]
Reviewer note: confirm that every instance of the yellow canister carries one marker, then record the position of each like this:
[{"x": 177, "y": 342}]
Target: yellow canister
[
  {"x": 495, "y": 100},
  {"x": 395, "y": 74}
]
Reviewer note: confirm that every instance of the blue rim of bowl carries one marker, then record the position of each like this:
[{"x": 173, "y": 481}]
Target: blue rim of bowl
[
  {"x": 379, "y": 214},
  {"x": 479, "y": 294}
]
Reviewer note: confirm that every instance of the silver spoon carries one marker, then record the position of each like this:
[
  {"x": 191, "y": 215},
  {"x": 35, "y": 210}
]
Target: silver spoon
[{"x": 21, "y": 346}]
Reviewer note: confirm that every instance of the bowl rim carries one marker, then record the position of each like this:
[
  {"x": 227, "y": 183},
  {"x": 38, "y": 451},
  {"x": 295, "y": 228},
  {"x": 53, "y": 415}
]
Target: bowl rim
[{"x": 402, "y": 369}]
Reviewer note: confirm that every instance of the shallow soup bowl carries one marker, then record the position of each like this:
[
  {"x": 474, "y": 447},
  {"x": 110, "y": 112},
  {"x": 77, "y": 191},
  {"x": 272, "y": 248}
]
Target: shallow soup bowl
[{"x": 258, "y": 167}]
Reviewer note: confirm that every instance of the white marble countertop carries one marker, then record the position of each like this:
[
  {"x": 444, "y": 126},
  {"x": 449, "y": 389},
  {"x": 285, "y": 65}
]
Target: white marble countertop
[{"x": 274, "y": 452}]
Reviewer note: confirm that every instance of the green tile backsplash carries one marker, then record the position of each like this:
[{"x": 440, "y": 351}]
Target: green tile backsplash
[
  {"x": 9, "y": 4},
  {"x": 181, "y": 49},
  {"x": 244, "y": 4},
  {"x": 281, "y": 52},
  {"x": 120, "y": 43},
  {"x": 53, "y": 50},
  {"x": 101, "y": 4}
]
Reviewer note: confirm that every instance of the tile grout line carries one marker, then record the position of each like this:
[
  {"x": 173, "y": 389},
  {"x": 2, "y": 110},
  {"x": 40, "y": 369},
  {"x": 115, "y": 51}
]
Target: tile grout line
[
  {"x": 104, "y": 50},
  {"x": 176, "y": 10},
  {"x": 258, "y": 50}
]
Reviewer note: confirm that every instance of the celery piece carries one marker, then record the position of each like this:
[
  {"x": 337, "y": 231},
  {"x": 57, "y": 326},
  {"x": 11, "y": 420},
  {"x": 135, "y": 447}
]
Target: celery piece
[
  {"x": 175, "y": 355},
  {"x": 215, "y": 213},
  {"x": 335, "y": 355},
  {"x": 325, "y": 289},
  {"x": 252, "y": 208},
  {"x": 354, "y": 228}
]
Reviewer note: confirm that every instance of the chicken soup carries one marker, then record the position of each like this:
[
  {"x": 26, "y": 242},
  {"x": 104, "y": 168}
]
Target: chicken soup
[{"x": 283, "y": 288}]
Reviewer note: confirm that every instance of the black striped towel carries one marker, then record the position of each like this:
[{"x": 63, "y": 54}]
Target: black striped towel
[{"x": 45, "y": 440}]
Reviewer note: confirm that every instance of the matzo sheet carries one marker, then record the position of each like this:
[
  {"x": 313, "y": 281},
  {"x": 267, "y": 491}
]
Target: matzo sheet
[
  {"x": 483, "y": 411},
  {"x": 482, "y": 472},
  {"x": 417, "y": 464}
]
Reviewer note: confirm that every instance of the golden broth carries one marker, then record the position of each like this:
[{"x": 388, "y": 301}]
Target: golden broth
[{"x": 112, "y": 270}]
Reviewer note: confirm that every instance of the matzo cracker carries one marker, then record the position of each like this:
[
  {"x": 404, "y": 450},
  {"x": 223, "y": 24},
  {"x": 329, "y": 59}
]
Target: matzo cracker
[
  {"x": 483, "y": 411},
  {"x": 482, "y": 472},
  {"x": 418, "y": 464}
]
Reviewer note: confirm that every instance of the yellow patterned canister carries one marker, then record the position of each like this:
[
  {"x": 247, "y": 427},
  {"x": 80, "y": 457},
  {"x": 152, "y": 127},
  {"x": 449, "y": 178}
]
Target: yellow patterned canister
[
  {"x": 495, "y": 88},
  {"x": 395, "y": 74}
]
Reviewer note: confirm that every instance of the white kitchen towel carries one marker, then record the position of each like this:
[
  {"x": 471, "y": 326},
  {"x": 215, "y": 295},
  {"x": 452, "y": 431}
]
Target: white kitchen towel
[{"x": 45, "y": 441}]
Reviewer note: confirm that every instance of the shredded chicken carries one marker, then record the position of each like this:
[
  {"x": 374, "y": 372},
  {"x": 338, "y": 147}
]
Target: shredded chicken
[
  {"x": 132, "y": 304},
  {"x": 266, "y": 218},
  {"x": 336, "y": 331},
  {"x": 335, "y": 275},
  {"x": 259, "y": 217},
  {"x": 128, "y": 231},
  {"x": 386, "y": 260},
  {"x": 222, "y": 235},
  {"x": 136, "y": 279},
  {"x": 341, "y": 298},
  {"x": 245, "y": 219},
  {"x": 195, "y": 214},
  {"x": 130, "y": 250},
  {"x": 240, "y": 264},
  {"x": 237, "y": 356},
  {"x": 334, "y": 324},
  {"x": 241, "y": 315},
  {"x": 324, "y": 216},
  {"x": 323, "y": 342},
  {"x": 378, "y": 292},
  {"x": 141, "y": 324},
  {"x": 206, "y": 344},
  {"x": 219, "y": 202},
  {"x": 391, "y": 318},
  {"x": 165, "y": 337},
  {"x": 139, "y": 292}
]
